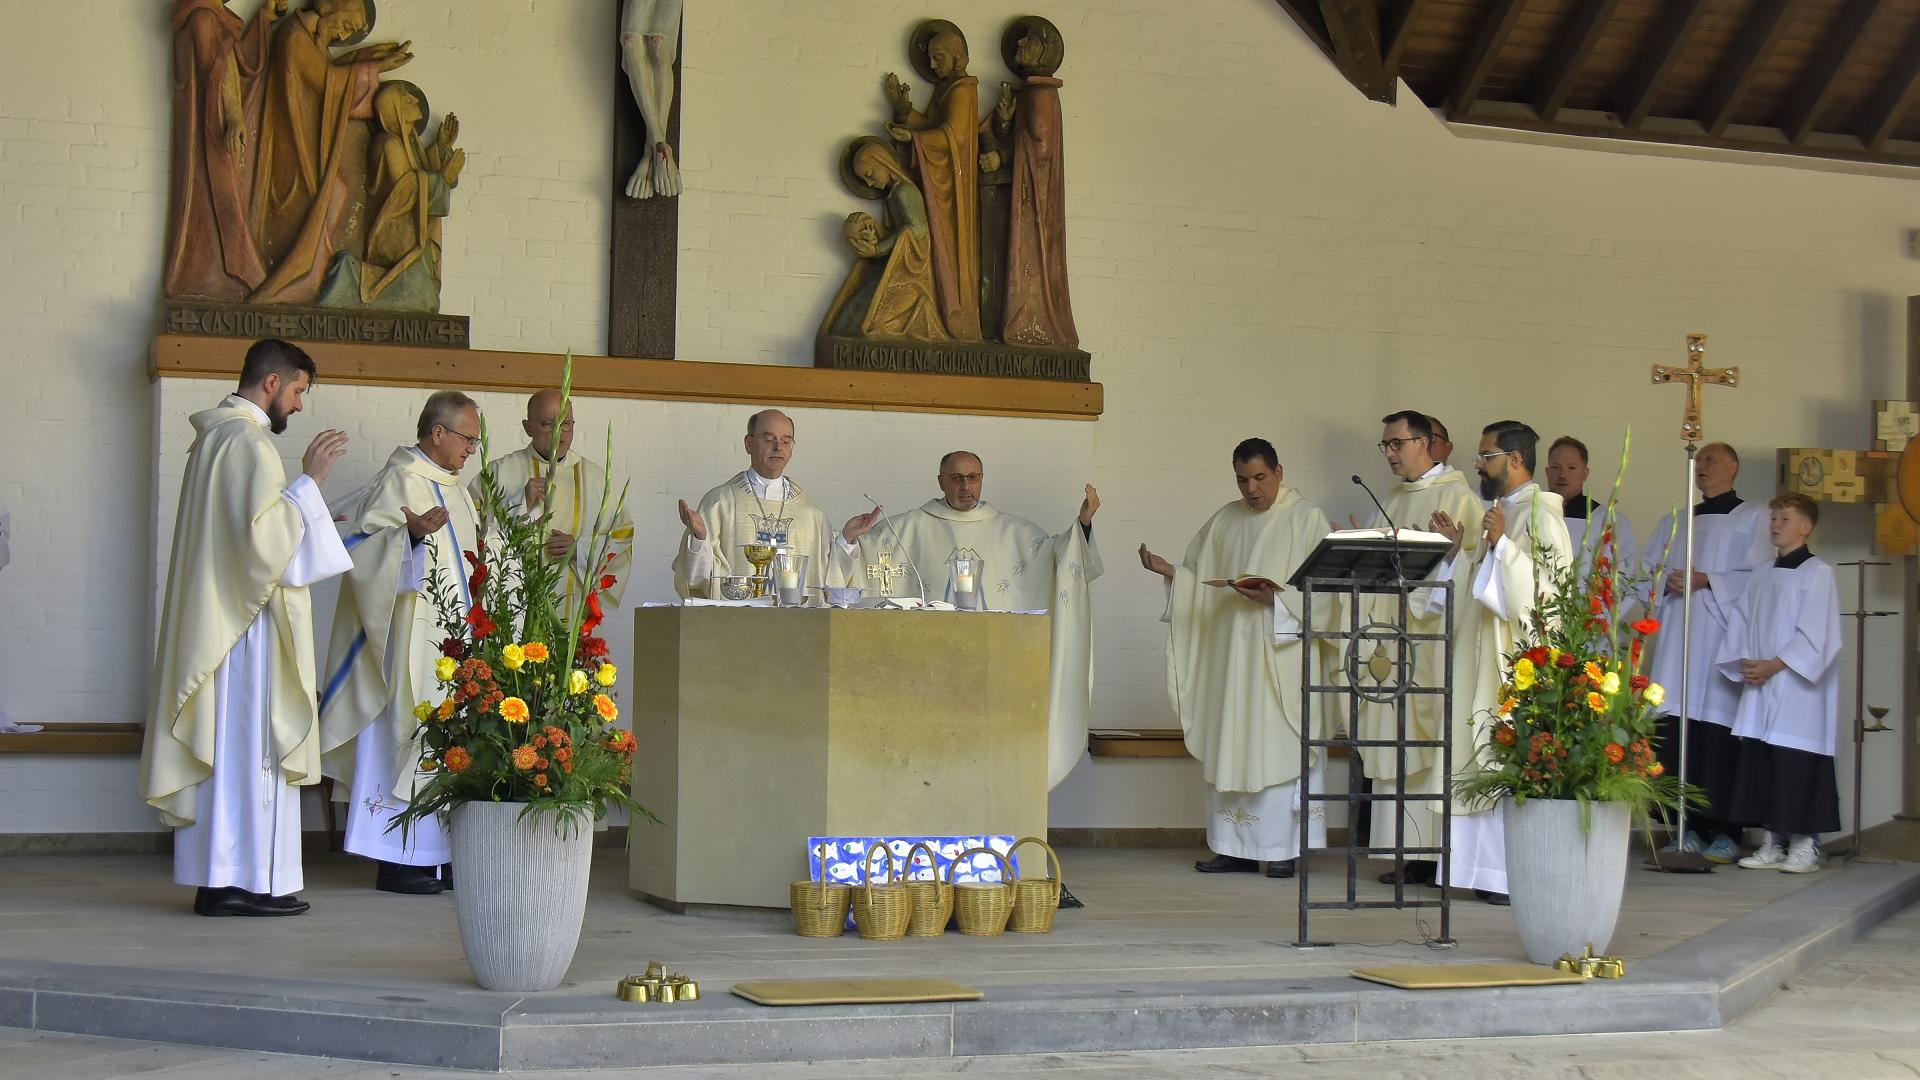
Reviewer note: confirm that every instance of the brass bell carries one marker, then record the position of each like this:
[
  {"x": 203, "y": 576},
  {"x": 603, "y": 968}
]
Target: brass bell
[
  {"x": 684, "y": 989},
  {"x": 634, "y": 989},
  {"x": 665, "y": 993}
]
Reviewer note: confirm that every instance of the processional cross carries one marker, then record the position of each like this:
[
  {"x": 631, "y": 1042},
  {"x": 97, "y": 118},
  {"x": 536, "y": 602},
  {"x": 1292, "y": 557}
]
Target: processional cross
[{"x": 1695, "y": 374}]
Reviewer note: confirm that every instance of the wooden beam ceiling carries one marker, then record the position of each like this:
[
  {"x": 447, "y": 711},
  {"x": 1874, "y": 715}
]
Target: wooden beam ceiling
[{"x": 1820, "y": 78}]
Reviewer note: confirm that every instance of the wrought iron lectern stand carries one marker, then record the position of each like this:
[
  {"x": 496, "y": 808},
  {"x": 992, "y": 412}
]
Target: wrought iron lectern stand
[{"x": 1377, "y": 660}]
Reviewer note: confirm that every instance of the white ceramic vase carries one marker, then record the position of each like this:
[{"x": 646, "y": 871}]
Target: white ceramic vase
[
  {"x": 521, "y": 893},
  {"x": 1565, "y": 883}
]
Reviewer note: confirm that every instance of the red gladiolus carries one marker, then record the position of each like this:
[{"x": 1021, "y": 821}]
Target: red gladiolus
[
  {"x": 607, "y": 581},
  {"x": 1646, "y": 626},
  {"x": 479, "y": 576},
  {"x": 482, "y": 623},
  {"x": 594, "y": 614},
  {"x": 1537, "y": 656},
  {"x": 1596, "y": 605}
]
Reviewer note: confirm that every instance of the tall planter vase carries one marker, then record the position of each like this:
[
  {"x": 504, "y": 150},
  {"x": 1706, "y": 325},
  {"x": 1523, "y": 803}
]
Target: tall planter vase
[
  {"x": 1565, "y": 884},
  {"x": 522, "y": 893}
]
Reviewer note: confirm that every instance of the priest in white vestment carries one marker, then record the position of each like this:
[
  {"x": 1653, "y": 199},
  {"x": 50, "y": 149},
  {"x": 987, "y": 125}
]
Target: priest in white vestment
[
  {"x": 535, "y": 482},
  {"x": 1234, "y": 666},
  {"x": 1524, "y": 545},
  {"x": 413, "y": 518},
  {"x": 233, "y": 732},
  {"x": 760, "y": 505},
  {"x": 1782, "y": 641},
  {"x": 1027, "y": 570},
  {"x": 1567, "y": 473},
  {"x": 1730, "y": 543},
  {"x": 1425, "y": 489}
]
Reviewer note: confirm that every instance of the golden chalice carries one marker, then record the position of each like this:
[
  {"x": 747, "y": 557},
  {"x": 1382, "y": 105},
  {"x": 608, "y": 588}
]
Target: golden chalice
[{"x": 760, "y": 555}]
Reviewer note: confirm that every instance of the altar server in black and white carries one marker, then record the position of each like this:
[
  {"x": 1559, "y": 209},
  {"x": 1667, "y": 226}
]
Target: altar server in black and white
[{"x": 1782, "y": 640}]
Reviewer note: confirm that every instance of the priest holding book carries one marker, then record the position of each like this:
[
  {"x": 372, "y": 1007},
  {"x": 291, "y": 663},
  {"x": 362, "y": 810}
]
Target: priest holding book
[{"x": 1234, "y": 666}]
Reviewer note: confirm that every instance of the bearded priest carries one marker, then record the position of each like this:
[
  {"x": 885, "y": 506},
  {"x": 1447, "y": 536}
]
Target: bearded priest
[
  {"x": 572, "y": 494},
  {"x": 1234, "y": 666},
  {"x": 1029, "y": 570},
  {"x": 761, "y": 502},
  {"x": 233, "y": 731},
  {"x": 1426, "y": 490},
  {"x": 413, "y": 520},
  {"x": 1523, "y": 547}
]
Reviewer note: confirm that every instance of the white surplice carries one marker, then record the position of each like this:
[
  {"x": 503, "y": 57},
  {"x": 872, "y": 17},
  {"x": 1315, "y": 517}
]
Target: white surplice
[
  {"x": 1585, "y": 533},
  {"x": 1509, "y": 584},
  {"x": 247, "y": 833},
  {"x": 1728, "y": 547},
  {"x": 1792, "y": 615}
]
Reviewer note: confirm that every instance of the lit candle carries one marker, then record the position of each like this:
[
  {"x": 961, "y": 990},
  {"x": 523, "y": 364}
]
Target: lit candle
[
  {"x": 789, "y": 577},
  {"x": 963, "y": 579}
]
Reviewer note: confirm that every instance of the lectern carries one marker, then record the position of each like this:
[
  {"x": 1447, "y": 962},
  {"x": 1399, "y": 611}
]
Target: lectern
[
  {"x": 760, "y": 727},
  {"x": 1376, "y": 666}
]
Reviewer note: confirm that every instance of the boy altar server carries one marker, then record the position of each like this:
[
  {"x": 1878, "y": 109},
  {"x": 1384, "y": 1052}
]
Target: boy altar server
[{"x": 1782, "y": 639}]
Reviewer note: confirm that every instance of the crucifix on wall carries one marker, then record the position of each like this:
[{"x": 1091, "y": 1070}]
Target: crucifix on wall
[{"x": 644, "y": 265}]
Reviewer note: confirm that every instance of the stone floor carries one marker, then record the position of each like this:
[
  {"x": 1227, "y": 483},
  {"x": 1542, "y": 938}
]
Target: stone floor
[
  {"x": 1855, "y": 1017},
  {"x": 1148, "y": 917}
]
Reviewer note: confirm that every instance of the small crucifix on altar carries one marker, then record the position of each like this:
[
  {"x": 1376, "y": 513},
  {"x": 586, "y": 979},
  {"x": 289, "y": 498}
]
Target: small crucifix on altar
[{"x": 884, "y": 572}]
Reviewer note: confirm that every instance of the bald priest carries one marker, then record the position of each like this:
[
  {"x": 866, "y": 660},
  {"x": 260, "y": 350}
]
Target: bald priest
[{"x": 1028, "y": 570}]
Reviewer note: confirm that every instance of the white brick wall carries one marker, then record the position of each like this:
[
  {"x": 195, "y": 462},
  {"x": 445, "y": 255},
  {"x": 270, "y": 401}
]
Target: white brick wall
[{"x": 1255, "y": 249}]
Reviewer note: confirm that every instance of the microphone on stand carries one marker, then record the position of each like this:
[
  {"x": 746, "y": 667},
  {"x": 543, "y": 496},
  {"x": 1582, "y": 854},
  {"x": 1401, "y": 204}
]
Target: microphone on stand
[
  {"x": 900, "y": 546},
  {"x": 1393, "y": 531}
]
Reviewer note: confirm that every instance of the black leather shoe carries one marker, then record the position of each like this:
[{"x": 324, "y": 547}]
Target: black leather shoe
[
  {"x": 283, "y": 905},
  {"x": 1418, "y": 872},
  {"x": 409, "y": 880},
  {"x": 1497, "y": 899},
  {"x": 223, "y": 901},
  {"x": 1281, "y": 869},
  {"x": 1068, "y": 900},
  {"x": 1227, "y": 864},
  {"x": 446, "y": 875}
]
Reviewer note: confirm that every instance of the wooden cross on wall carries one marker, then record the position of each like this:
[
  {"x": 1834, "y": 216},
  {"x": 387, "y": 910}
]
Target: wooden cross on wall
[{"x": 1695, "y": 374}]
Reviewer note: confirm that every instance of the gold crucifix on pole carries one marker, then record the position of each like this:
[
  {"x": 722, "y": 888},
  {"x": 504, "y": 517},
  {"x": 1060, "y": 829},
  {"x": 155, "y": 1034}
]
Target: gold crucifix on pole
[{"x": 1695, "y": 374}]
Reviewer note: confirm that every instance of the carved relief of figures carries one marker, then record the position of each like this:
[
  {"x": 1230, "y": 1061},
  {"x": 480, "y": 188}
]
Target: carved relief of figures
[
  {"x": 299, "y": 177},
  {"x": 1038, "y": 311},
  {"x": 945, "y": 142},
  {"x": 649, "y": 43},
  {"x": 217, "y": 66},
  {"x": 300, "y": 195},
  {"x": 989, "y": 195},
  {"x": 890, "y": 294}
]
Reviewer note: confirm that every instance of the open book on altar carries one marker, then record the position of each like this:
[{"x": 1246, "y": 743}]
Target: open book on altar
[{"x": 1407, "y": 536}]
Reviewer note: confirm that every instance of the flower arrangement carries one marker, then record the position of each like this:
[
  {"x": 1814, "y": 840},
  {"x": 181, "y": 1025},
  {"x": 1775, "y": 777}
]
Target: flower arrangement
[
  {"x": 527, "y": 709},
  {"x": 1576, "y": 714}
]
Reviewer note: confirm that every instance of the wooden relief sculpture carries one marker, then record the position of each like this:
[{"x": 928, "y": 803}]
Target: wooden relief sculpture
[
  {"x": 967, "y": 274},
  {"x": 300, "y": 179}
]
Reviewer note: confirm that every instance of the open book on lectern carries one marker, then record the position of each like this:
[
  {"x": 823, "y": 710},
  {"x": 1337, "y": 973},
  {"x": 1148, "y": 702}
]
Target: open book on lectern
[{"x": 1369, "y": 555}]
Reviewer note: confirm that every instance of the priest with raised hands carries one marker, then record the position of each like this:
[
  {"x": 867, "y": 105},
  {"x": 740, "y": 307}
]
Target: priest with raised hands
[
  {"x": 759, "y": 505},
  {"x": 1730, "y": 539},
  {"x": 535, "y": 480},
  {"x": 406, "y": 531},
  {"x": 233, "y": 731},
  {"x": 1028, "y": 570},
  {"x": 1523, "y": 548},
  {"x": 1234, "y": 666},
  {"x": 1427, "y": 491}
]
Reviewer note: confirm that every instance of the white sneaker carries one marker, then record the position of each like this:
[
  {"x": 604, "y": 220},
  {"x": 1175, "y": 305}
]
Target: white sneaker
[
  {"x": 1803, "y": 856},
  {"x": 1769, "y": 857}
]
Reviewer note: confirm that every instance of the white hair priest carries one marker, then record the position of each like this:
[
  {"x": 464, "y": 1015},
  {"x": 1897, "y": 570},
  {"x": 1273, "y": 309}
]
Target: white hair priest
[
  {"x": 1234, "y": 666},
  {"x": 233, "y": 731},
  {"x": 761, "y": 504},
  {"x": 1523, "y": 547},
  {"x": 537, "y": 479},
  {"x": 1027, "y": 569},
  {"x": 414, "y": 519}
]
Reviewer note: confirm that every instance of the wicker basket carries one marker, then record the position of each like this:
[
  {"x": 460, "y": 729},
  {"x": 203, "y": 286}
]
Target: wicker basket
[
  {"x": 982, "y": 908},
  {"x": 932, "y": 899},
  {"x": 881, "y": 912},
  {"x": 819, "y": 909},
  {"x": 1037, "y": 900}
]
